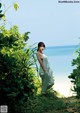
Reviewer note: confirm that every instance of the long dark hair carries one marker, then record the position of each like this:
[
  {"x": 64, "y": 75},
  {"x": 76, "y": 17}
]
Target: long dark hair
[{"x": 41, "y": 44}]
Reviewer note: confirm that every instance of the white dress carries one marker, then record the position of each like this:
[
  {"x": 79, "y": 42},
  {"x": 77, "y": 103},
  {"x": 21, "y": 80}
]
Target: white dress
[{"x": 47, "y": 77}]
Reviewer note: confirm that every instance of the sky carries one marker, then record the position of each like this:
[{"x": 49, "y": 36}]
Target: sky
[{"x": 56, "y": 24}]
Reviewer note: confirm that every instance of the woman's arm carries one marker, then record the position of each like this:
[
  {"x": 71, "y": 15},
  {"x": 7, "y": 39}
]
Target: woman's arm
[{"x": 40, "y": 61}]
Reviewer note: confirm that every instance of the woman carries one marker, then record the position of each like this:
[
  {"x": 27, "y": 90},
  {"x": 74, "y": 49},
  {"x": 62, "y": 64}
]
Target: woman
[{"x": 45, "y": 71}]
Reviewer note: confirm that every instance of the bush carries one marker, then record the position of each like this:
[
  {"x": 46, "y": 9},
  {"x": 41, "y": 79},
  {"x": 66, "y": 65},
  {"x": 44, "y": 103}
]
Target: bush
[
  {"x": 75, "y": 75},
  {"x": 44, "y": 104},
  {"x": 16, "y": 70}
]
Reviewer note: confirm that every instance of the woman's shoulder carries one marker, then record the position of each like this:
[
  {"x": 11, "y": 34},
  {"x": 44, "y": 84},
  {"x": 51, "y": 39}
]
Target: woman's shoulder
[{"x": 39, "y": 54}]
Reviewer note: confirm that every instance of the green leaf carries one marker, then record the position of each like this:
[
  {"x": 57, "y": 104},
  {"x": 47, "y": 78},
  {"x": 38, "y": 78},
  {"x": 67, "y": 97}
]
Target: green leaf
[
  {"x": 0, "y": 5},
  {"x": 0, "y": 11},
  {"x": 16, "y": 6},
  {"x": 26, "y": 37},
  {"x": 1, "y": 15}
]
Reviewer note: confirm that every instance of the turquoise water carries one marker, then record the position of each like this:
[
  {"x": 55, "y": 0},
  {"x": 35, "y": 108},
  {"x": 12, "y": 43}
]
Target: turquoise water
[
  {"x": 61, "y": 50},
  {"x": 60, "y": 59}
]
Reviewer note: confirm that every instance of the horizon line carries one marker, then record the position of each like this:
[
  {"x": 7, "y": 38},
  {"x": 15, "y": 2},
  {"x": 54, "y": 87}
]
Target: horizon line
[{"x": 63, "y": 45}]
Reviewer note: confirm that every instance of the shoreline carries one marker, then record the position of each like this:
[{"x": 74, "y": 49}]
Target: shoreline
[{"x": 63, "y": 86}]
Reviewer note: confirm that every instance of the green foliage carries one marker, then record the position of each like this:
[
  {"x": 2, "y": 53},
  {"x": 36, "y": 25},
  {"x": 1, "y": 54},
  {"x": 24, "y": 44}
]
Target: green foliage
[
  {"x": 17, "y": 72},
  {"x": 1, "y": 14},
  {"x": 50, "y": 103},
  {"x": 75, "y": 75},
  {"x": 43, "y": 104},
  {"x": 16, "y": 6}
]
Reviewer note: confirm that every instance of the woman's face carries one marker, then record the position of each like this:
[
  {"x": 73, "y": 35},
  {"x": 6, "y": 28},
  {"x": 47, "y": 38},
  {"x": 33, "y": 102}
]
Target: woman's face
[{"x": 41, "y": 48}]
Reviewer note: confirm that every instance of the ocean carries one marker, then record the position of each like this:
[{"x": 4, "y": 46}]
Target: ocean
[{"x": 60, "y": 59}]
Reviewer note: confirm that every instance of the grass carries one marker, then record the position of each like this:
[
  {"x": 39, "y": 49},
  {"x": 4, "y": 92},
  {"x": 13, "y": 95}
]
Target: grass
[{"x": 51, "y": 103}]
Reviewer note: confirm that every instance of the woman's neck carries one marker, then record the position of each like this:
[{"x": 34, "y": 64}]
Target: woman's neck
[{"x": 40, "y": 52}]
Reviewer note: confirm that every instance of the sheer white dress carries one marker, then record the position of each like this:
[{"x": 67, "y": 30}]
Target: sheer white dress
[{"x": 47, "y": 77}]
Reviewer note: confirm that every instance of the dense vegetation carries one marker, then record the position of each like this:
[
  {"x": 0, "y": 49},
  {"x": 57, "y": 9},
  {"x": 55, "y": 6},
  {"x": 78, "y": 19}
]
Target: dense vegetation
[
  {"x": 17, "y": 75},
  {"x": 18, "y": 81},
  {"x": 75, "y": 75},
  {"x": 51, "y": 103}
]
